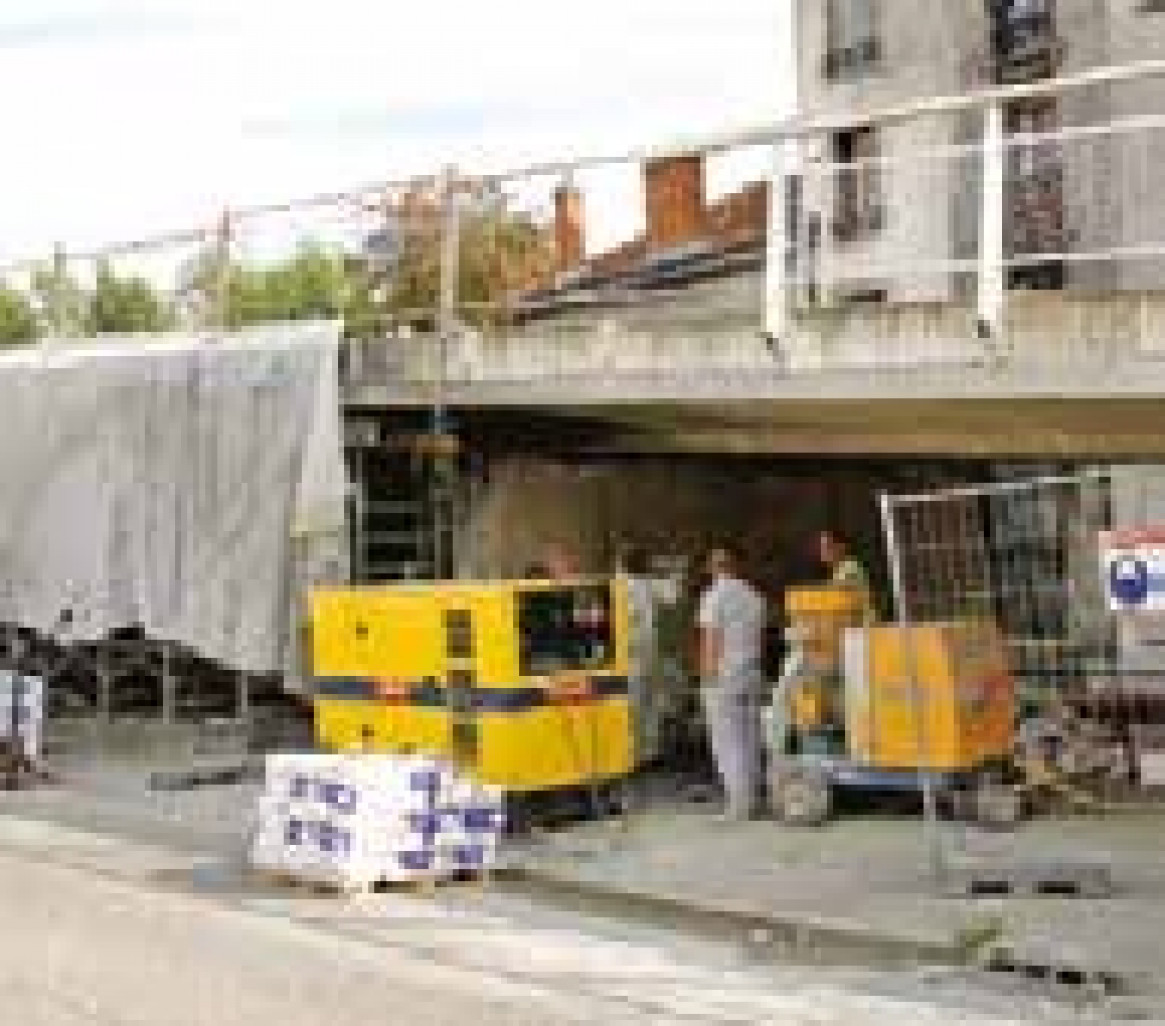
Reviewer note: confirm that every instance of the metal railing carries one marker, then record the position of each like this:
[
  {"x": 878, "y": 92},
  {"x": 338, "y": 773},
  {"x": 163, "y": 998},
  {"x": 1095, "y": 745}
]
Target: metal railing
[
  {"x": 956, "y": 242},
  {"x": 773, "y": 262}
]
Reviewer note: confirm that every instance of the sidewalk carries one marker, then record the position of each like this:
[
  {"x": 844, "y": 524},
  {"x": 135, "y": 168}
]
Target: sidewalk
[
  {"x": 285, "y": 955},
  {"x": 863, "y": 885},
  {"x": 855, "y": 892}
]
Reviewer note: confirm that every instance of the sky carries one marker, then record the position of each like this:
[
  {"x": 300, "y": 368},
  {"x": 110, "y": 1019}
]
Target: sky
[{"x": 129, "y": 117}]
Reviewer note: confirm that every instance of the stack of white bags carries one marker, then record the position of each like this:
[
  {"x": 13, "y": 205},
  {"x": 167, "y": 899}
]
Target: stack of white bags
[
  {"x": 22, "y": 711},
  {"x": 355, "y": 821}
]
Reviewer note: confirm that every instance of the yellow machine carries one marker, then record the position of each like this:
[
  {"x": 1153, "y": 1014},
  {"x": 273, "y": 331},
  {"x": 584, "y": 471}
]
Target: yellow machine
[
  {"x": 886, "y": 708},
  {"x": 524, "y": 682},
  {"x": 935, "y": 696},
  {"x": 818, "y": 618}
]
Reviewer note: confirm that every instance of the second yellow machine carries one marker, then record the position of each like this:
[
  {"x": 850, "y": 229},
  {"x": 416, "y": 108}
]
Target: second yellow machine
[{"x": 525, "y": 683}]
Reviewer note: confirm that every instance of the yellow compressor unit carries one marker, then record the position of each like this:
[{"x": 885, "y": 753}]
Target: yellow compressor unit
[
  {"x": 818, "y": 617},
  {"x": 924, "y": 705},
  {"x": 936, "y": 696},
  {"x": 523, "y": 682}
]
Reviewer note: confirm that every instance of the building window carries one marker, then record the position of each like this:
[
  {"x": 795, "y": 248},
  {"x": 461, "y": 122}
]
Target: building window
[
  {"x": 858, "y": 207},
  {"x": 1035, "y": 209},
  {"x": 1152, "y": 7},
  {"x": 1023, "y": 38},
  {"x": 851, "y": 44}
]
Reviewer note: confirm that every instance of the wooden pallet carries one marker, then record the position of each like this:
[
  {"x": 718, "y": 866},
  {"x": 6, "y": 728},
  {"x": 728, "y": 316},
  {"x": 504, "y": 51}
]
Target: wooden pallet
[{"x": 350, "y": 888}]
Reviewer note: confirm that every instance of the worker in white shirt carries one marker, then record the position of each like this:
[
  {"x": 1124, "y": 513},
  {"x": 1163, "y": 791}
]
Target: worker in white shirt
[{"x": 732, "y": 624}]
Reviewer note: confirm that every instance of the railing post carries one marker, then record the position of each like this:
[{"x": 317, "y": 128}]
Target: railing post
[
  {"x": 780, "y": 235},
  {"x": 992, "y": 281},
  {"x": 218, "y": 305},
  {"x": 61, "y": 298}
]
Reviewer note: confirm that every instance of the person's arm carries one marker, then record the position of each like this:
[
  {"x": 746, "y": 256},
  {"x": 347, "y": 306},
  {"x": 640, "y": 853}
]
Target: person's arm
[
  {"x": 711, "y": 651},
  {"x": 711, "y": 647}
]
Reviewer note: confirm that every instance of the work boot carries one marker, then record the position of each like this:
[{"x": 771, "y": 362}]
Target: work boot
[{"x": 740, "y": 814}]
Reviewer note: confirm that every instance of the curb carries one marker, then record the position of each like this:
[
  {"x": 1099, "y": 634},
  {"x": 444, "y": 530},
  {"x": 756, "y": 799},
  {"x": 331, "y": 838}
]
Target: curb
[
  {"x": 792, "y": 936},
  {"x": 820, "y": 940}
]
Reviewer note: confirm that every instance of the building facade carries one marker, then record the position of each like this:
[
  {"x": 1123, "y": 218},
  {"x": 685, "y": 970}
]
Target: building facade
[{"x": 890, "y": 210}]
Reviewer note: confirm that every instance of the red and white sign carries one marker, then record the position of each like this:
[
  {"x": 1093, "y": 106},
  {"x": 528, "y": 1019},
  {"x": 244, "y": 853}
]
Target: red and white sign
[{"x": 1132, "y": 566}]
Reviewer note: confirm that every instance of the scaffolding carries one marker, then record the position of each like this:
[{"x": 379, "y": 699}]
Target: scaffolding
[{"x": 410, "y": 515}]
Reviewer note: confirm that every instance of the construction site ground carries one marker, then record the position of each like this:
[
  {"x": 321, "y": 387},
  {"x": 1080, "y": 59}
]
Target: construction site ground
[
  {"x": 855, "y": 892},
  {"x": 170, "y": 918},
  {"x": 863, "y": 885}
]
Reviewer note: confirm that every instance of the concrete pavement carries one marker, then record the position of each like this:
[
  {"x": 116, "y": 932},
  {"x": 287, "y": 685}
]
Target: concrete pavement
[
  {"x": 862, "y": 885},
  {"x": 83, "y": 949},
  {"x": 107, "y": 932}
]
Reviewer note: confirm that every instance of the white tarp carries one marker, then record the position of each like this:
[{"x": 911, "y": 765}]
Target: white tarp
[{"x": 160, "y": 483}]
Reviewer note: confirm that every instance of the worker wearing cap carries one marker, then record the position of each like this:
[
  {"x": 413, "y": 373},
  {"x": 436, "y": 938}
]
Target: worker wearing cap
[
  {"x": 845, "y": 570},
  {"x": 732, "y": 623}
]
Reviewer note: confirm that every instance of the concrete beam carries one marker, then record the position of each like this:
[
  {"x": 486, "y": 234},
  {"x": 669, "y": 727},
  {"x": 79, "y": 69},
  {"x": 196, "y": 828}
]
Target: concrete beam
[{"x": 1042, "y": 445}]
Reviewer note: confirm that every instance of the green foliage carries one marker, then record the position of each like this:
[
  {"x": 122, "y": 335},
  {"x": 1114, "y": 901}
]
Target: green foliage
[
  {"x": 19, "y": 324},
  {"x": 500, "y": 253},
  {"x": 115, "y": 305},
  {"x": 309, "y": 286},
  {"x": 61, "y": 300},
  {"x": 980, "y": 937},
  {"x": 314, "y": 284},
  {"x": 125, "y": 306}
]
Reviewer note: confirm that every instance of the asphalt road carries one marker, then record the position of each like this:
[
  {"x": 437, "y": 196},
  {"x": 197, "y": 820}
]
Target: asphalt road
[{"x": 89, "y": 939}]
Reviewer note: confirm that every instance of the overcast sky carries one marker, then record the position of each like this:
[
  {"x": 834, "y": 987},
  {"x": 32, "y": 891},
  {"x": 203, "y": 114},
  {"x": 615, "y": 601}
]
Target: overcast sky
[{"x": 123, "y": 117}]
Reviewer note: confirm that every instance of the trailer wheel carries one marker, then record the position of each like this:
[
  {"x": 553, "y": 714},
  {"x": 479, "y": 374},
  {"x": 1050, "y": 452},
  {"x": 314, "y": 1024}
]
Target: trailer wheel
[
  {"x": 803, "y": 797},
  {"x": 998, "y": 806}
]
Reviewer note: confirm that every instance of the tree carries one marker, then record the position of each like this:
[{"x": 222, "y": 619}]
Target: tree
[
  {"x": 59, "y": 299},
  {"x": 310, "y": 285},
  {"x": 125, "y": 306},
  {"x": 500, "y": 252},
  {"x": 19, "y": 324}
]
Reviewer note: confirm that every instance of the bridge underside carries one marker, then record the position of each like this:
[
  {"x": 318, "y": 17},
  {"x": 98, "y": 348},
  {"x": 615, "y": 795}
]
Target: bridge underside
[{"x": 1046, "y": 429}]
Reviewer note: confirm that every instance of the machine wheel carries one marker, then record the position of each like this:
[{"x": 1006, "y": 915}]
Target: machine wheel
[
  {"x": 802, "y": 797},
  {"x": 998, "y": 806}
]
